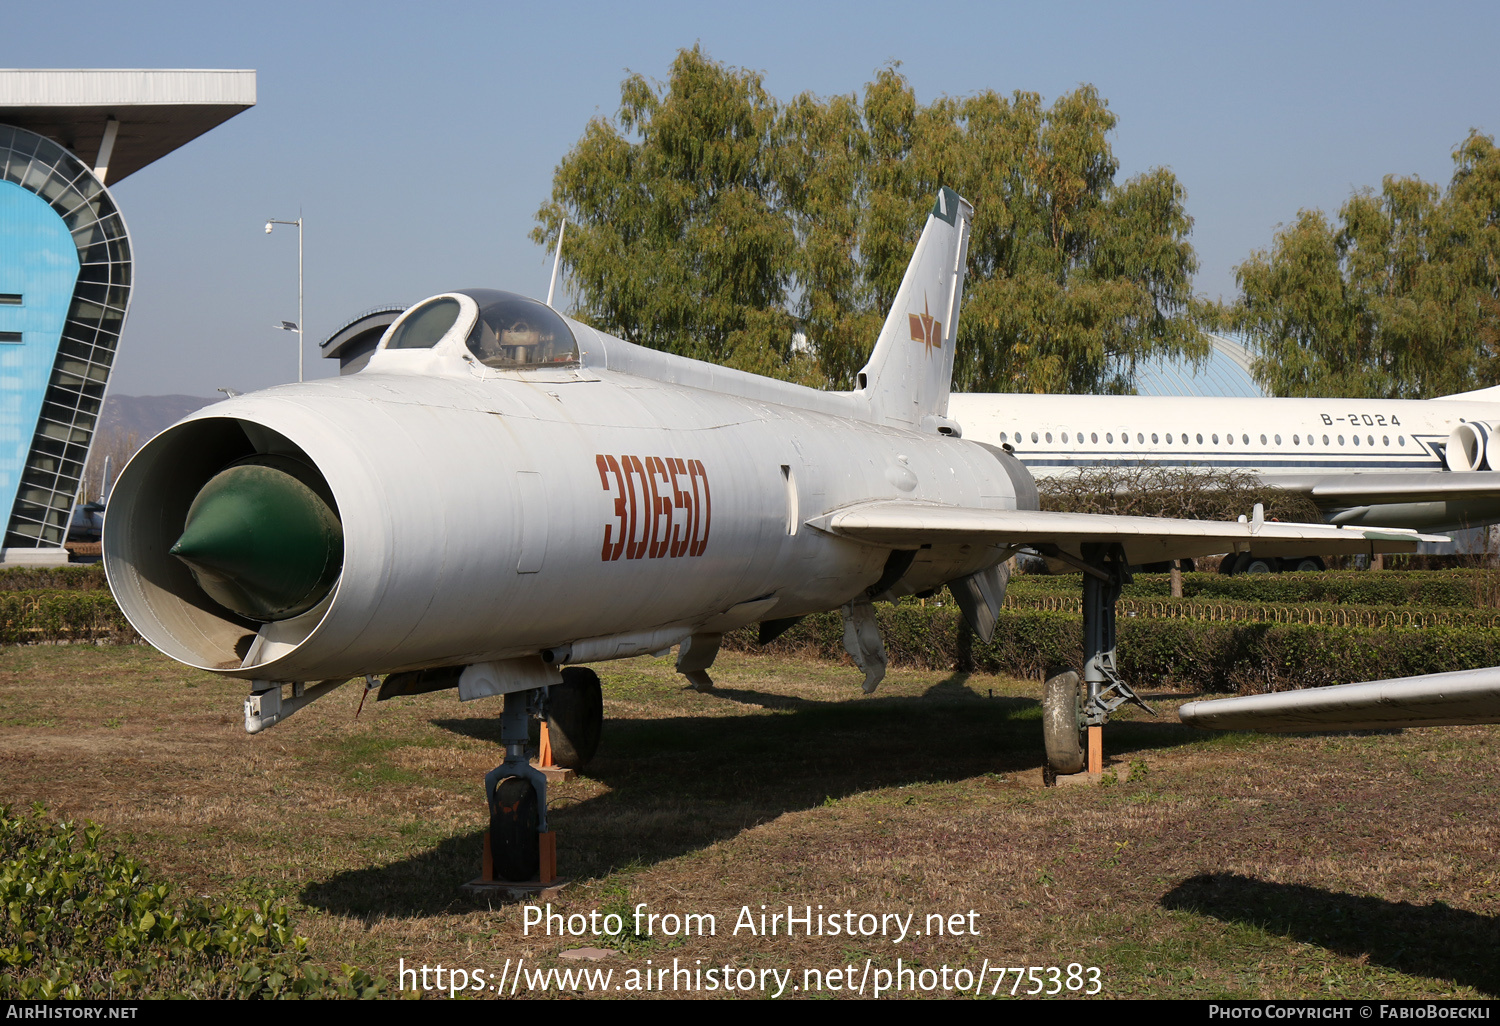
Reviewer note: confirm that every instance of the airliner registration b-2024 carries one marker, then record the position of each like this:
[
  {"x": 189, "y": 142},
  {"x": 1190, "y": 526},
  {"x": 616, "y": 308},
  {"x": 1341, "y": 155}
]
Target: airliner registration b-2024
[{"x": 310, "y": 534}]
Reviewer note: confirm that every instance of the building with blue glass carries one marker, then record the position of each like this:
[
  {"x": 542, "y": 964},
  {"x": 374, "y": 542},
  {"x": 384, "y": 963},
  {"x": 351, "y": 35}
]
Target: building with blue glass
[{"x": 66, "y": 272}]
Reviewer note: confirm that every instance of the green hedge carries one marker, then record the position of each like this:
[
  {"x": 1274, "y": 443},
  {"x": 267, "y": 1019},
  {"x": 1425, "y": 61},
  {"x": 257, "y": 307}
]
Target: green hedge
[
  {"x": 1325, "y": 614},
  {"x": 80, "y": 921},
  {"x": 32, "y": 616},
  {"x": 89, "y": 577},
  {"x": 1207, "y": 649},
  {"x": 1467, "y": 588},
  {"x": 1203, "y": 655}
]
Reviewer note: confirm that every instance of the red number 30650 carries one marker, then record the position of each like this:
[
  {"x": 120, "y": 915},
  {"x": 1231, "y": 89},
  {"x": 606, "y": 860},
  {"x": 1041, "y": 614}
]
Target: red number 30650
[{"x": 662, "y": 507}]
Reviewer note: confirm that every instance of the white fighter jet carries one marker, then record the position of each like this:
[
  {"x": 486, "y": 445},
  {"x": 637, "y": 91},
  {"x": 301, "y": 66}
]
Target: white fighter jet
[{"x": 503, "y": 494}]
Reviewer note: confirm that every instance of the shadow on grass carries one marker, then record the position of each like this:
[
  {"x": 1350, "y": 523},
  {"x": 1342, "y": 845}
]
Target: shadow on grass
[
  {"x": 1422, "y": 940},
  {"x": 425, "y": 884},
  {"x": 679, "y": 784}
]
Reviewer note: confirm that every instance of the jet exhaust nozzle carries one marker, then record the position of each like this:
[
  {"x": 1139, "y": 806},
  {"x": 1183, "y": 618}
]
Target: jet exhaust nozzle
[
  {"x": 263, "y": 538},
  {"x": 1472, "y": 446}
]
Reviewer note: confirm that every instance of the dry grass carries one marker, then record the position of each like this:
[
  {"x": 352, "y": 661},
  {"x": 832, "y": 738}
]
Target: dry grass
[{"x": 1352, "y": 865}]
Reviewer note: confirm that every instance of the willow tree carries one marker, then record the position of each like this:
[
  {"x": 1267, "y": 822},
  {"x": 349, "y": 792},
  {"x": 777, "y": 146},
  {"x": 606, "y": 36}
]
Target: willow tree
[
  {"x": 1399, "y": 298},
  {"x": 707, "y": 218}
]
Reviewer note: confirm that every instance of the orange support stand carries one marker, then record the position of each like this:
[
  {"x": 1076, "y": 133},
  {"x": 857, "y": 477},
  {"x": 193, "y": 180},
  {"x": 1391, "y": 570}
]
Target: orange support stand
[
  {"x": 544, "y": 750},
  {"x": 547, "y": 845},
  {"x": 555, "y": 774},
  {"x": 1096, "y": 750}
]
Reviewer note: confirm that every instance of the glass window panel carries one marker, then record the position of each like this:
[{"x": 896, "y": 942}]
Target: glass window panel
[
  {"x": 424, "y": 326},
  {"x": 513, "y": 332}
]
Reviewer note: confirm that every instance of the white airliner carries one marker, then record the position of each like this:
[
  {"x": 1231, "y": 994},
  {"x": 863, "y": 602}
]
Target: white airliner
[{"x": 1370, "y": 462}]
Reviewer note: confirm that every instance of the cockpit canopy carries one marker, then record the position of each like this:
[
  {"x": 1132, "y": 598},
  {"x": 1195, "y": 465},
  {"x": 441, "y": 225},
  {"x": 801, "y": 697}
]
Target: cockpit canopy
[{"x": 502, "y": 330}]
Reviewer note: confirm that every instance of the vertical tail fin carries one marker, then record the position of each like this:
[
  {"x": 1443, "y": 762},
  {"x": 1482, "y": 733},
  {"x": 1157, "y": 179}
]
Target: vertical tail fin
[{"x": 911, "y": 368}]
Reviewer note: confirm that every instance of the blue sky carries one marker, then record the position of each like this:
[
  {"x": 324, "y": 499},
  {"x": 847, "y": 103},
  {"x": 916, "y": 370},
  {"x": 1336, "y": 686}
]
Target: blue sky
[{"x": 419, "y": 141}]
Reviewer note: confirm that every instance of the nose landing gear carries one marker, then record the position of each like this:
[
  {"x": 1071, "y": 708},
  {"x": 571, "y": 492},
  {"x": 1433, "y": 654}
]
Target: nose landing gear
[
  {"x": 520, "y": 849},
  {"x": 516, "y": 793}
]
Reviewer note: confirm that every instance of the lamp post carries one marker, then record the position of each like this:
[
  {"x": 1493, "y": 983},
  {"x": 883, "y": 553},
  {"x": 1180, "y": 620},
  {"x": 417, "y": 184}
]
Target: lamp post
[{"x": 285, "y": 325}]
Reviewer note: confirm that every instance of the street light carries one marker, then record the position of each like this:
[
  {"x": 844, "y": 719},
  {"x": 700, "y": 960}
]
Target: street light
[{"x": 288, "y": 325}]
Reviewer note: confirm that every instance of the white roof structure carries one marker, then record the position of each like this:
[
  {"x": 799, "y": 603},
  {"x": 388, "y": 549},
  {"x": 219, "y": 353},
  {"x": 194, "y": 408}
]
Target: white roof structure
[
  {"x": 153, "y": 112},
  {"x": 1225, "y": 373}
]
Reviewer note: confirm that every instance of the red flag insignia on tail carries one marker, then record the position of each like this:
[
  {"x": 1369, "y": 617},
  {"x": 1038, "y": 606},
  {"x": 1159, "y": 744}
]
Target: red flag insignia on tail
[{"x": 925, "y": 328}]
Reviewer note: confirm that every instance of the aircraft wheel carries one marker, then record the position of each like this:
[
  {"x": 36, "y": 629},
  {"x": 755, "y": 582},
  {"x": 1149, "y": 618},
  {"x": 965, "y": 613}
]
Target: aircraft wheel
[
  {"x": 1234, "y": 563},
  {"x": 1311, "y": 564},
  {"x": 1062, "y": 724},
  {"x": 575, "y": 717},
  {"x": 1260, "y": 565},
  {"x": 513, "y": 837}
]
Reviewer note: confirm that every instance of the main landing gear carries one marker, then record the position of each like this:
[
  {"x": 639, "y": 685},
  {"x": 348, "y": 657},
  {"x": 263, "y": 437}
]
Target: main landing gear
[
  {"x": 1074, "y": 711},
  {"x": 516, "y": 791}
]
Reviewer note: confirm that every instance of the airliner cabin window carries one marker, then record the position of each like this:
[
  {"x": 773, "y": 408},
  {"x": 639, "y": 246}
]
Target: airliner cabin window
[{"x": 513, "y": 333}]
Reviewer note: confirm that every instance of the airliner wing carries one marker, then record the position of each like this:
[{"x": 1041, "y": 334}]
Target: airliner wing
[
  {"x": 905, "y": 523},
  {"x": 1433, "y": 486},
  {"x": 1433, "y": 700}
]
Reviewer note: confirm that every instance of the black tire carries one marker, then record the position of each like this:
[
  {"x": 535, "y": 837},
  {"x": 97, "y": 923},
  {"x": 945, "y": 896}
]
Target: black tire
[
  {"x": 1309, "y": 565},
  {"x": 1062, "y": 723},
  {"x": 575, "y": 717},
  {"x": 514, "y": 848},
  {"x": 1261, "y": 565},
  {"x": 1234, "y": 563}
]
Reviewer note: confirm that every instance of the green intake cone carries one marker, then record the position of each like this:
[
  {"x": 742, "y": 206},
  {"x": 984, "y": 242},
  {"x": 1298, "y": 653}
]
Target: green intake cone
[{"x": 263, "y": 538}]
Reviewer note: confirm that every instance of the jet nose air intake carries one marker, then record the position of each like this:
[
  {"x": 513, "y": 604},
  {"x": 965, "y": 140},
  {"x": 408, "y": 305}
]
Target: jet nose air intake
[{"x": 263, "y": 538}]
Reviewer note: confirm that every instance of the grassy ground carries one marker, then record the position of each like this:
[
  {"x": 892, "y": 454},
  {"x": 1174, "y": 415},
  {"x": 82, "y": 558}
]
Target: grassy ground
[{"x": 1331, "y": 866}]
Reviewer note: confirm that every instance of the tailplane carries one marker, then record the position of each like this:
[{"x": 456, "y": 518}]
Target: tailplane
[{"x": 911, "y": 369}]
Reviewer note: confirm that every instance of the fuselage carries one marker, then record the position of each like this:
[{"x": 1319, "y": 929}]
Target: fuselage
[
  {"x": 1275, "y": 439},
  {"x": 613, "y": 505}
]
